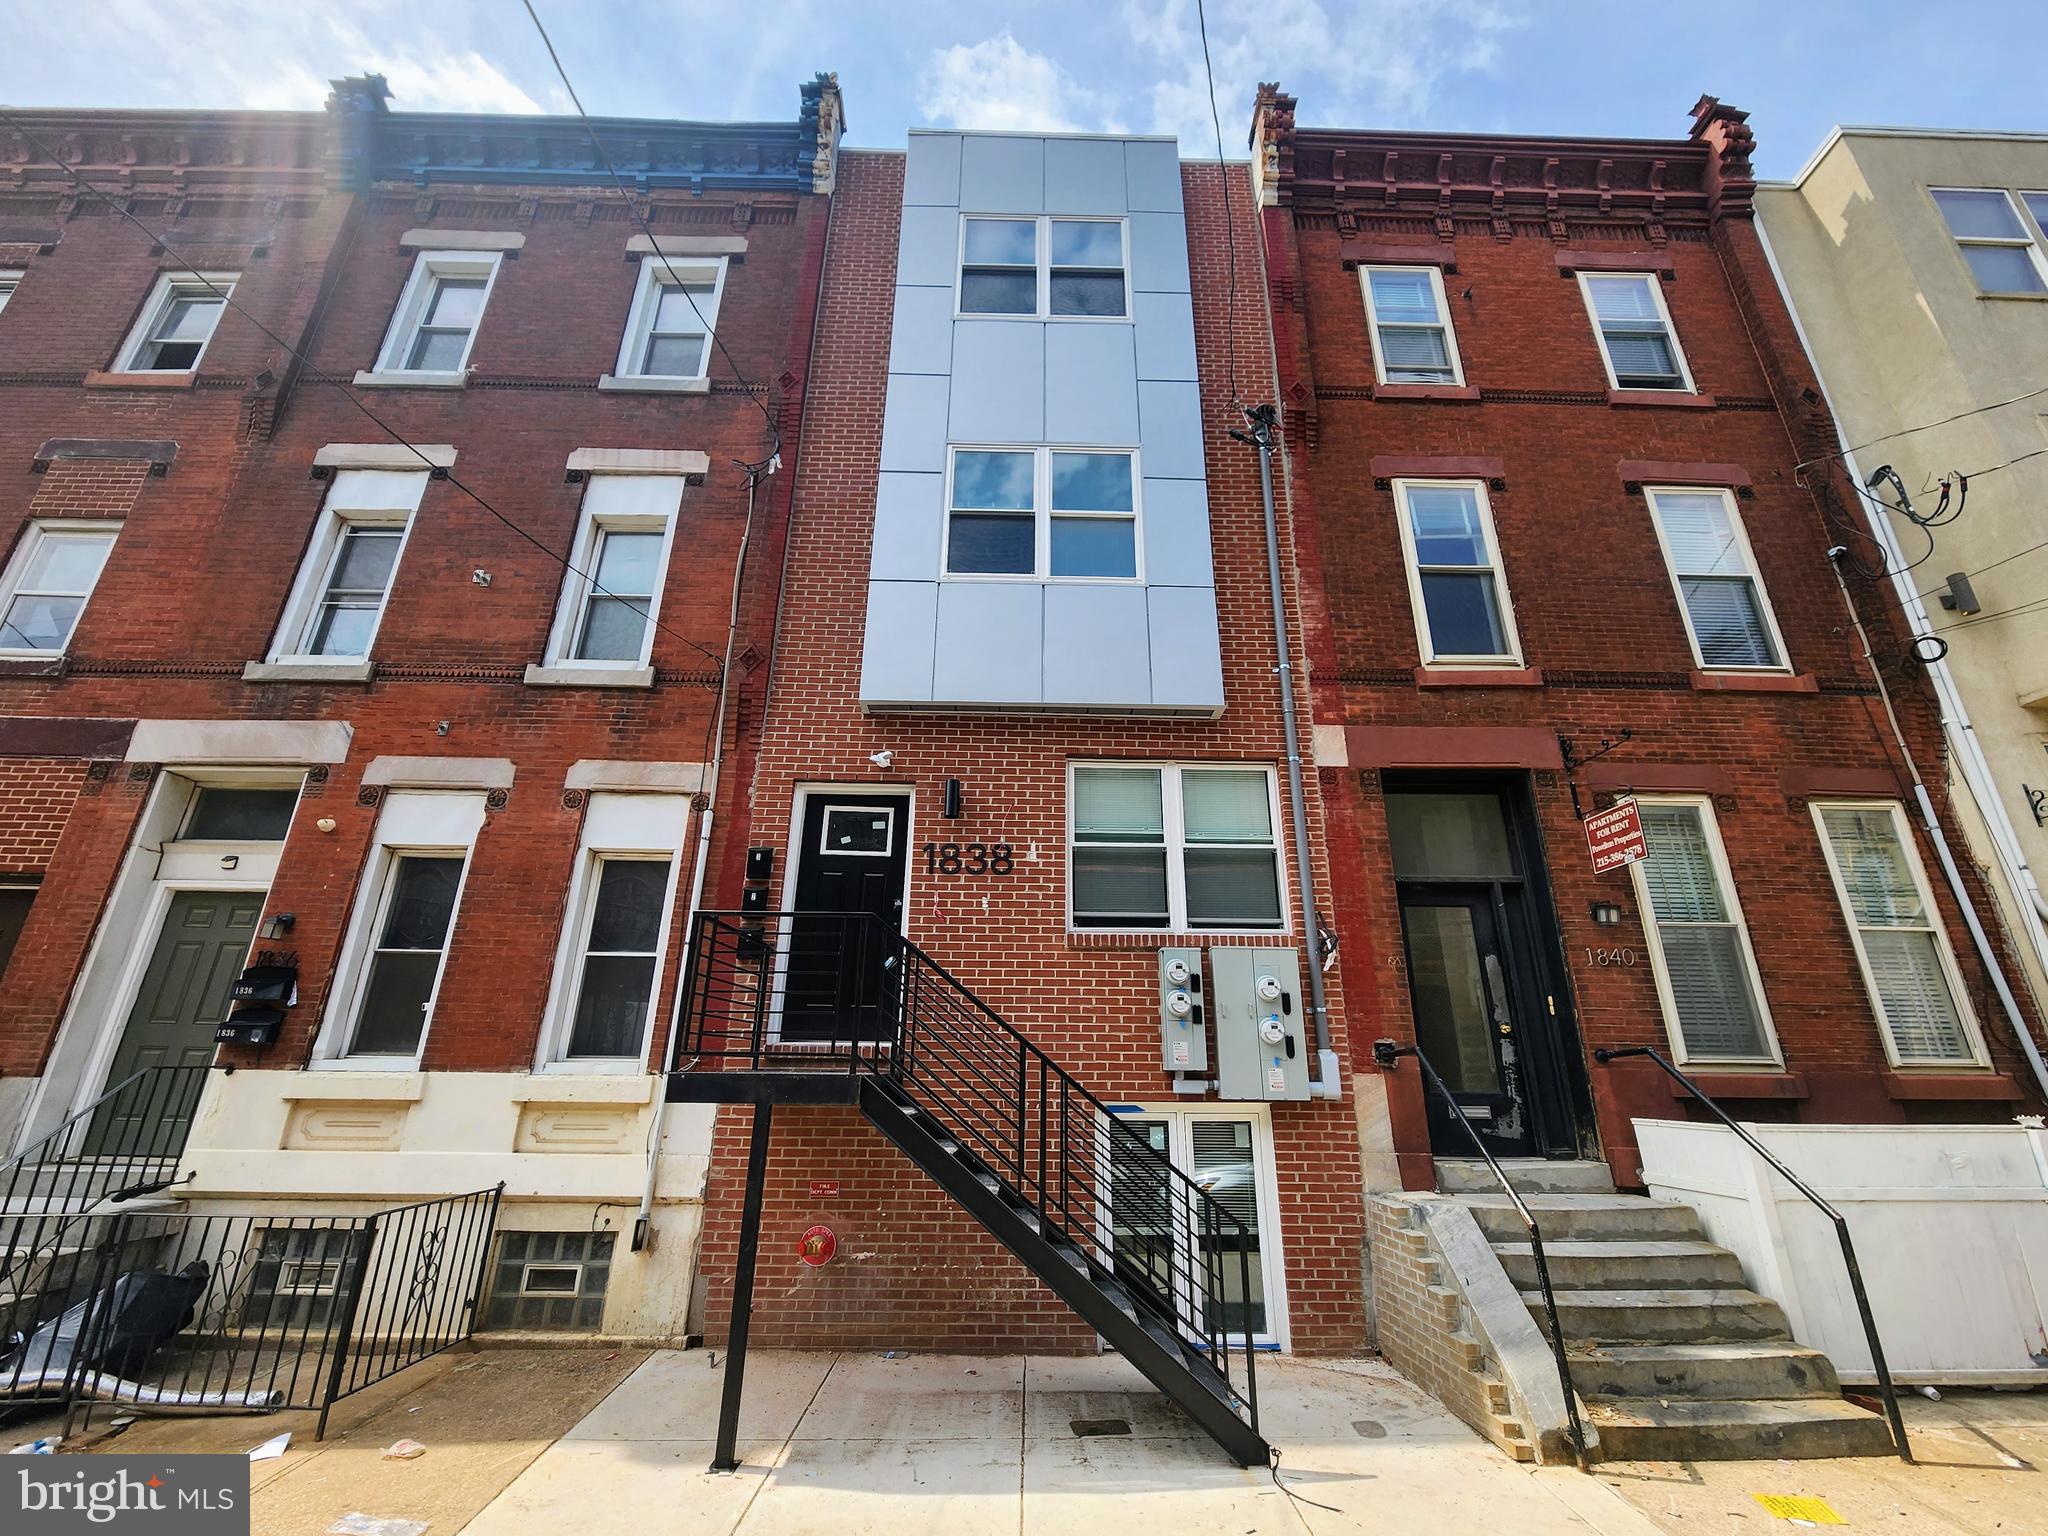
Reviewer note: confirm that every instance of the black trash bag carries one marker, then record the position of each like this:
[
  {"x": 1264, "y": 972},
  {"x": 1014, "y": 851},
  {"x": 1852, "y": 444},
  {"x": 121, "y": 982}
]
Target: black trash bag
[{"x": 126, "y": 1323}]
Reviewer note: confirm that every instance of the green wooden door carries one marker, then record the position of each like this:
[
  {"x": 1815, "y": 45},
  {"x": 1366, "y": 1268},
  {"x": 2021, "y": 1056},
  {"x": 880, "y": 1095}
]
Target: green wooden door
[{"x": 199, "y": 952}]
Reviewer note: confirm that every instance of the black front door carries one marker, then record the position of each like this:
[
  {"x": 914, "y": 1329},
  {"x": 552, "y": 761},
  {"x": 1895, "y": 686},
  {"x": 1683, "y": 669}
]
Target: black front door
[
  {"x": 1465, "y": 1014},
  {"x": 1485, "y": 968},
  {"x": 841, "y": 980}
]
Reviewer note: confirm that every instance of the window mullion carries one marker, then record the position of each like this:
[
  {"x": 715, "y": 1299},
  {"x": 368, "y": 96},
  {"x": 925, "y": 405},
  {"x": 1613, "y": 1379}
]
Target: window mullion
[{"x": 1175, "y": 832}]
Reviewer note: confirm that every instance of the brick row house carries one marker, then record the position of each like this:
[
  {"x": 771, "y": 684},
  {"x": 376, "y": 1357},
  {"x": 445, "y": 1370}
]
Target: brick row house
[{"x": 426, "y": 709}]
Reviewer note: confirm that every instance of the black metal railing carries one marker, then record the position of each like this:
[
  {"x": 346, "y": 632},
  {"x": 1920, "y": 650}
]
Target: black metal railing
[
  {"x": 1388, "y": 1055},
  {"x": 1841, "y": 1226},
  {"x": 844, "y": 991},
  {"x": 168, "y": 1309},
  {"x": 124, "y": 1145}
]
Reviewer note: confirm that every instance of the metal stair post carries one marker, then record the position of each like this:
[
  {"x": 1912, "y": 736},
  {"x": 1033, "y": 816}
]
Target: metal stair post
[{"x": 725, "y": 1457}]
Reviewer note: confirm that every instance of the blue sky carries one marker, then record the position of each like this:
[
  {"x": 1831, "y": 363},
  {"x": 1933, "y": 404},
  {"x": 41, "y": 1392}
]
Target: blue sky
[{"x": 1514, "y": 66}]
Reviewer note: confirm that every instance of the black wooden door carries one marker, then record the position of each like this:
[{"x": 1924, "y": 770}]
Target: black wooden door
[
  {"x": 843, "y": 970},
  {"x": 1466, "y": 1016}
]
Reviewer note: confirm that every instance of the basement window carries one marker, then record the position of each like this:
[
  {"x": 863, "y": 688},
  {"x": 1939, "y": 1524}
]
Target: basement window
[{"x": 552, "y": 1281}]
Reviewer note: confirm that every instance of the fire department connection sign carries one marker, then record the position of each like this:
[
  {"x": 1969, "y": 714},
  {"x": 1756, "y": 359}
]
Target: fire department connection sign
[{"x": 1615, "y": 837}]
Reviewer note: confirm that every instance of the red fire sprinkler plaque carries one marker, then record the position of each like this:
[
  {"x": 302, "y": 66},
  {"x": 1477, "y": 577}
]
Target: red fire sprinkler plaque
[
  {"x": 1615, "y": 837},
  {"x": 824, "y": 1189},
  {"x": 817, "y": 1245}
]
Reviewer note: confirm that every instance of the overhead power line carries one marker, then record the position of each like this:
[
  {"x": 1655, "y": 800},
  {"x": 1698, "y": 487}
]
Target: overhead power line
[
  {"x": 1925, "y": 426},
  {"x": 227, "y": 300},
  {"x": 1229, "y": 225},
  {"x": 774, "y": 432}
]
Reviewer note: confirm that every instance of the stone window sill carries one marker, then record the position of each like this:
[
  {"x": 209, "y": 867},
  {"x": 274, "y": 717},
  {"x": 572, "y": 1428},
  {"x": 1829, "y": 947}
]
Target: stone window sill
[
  {"x": 1677, "y": 398},
  {"x": 1479, "y": 677},
  {"x": 34, "y": 666},
  {"x": 1437, "y": 392},
  {"x": 589, "y": 677},
  {"x": 1938, "y": 1086},
  {"x": 1743, "y": 1085},
  {"x": 371, "y": 379},
  {"x": 1754, "y": 682},
  {"x": 308, "y": 672},
  {"x": 2015, "y": 298},
  {"x": 627, "y": 384},
  {"x": 104, "y": 379}
]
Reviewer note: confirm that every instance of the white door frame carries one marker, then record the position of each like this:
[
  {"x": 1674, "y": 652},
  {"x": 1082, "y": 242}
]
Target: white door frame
[
  {"x": 1266, "y": 1190},
  {"x": 800, "y": 805}
]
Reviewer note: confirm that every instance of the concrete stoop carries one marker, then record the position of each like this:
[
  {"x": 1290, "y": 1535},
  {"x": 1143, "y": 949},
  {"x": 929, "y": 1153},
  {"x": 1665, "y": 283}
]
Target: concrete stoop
[{"x": 1672, "y": 1356}]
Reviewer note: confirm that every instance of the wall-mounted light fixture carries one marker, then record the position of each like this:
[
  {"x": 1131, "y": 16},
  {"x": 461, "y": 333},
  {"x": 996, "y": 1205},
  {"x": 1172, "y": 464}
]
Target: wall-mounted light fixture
[
  {"x": 1606, "y": 913},
  {"x": 949, "y": 806}
]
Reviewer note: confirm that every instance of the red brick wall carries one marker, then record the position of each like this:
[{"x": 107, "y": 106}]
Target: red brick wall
[
  {"x": 195, "y": 584},
  {"x": 35, "y": 799},
  {"x": 1598, "y": 616},
  {"x": 1089, "y": 1003}
]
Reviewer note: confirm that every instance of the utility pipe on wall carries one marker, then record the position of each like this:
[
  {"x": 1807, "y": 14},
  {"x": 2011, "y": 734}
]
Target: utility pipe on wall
[{"x": 1329, "y": 1079}]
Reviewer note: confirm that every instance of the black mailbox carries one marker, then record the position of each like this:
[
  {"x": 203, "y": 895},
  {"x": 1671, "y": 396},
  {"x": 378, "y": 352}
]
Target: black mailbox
[
  {"x": 266, "y": 983},
  {"x": 257, "y": 1025},
  {"x": 754, "y": 899},
  {"x": 760, "y": 863}
]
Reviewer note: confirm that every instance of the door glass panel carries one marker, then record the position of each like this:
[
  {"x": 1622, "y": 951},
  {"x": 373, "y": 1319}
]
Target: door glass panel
[
  {"x": 1452, "y": 1022},
  {"x": 1222, "y": 1165},
  {"x": 858, "y": 830},
  {"x": 1140, "y": 1210},
  {"x": 1450, "y": 837}
]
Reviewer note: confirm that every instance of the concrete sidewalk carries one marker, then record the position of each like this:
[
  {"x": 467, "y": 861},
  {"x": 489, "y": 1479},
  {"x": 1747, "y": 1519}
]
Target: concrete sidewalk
[{"x": 962, "y": 1446}]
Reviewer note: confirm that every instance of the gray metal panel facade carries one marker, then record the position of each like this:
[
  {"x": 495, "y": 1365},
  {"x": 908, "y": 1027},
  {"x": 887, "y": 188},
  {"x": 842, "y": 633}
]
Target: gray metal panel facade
[{"x": 1039, "y": 641}]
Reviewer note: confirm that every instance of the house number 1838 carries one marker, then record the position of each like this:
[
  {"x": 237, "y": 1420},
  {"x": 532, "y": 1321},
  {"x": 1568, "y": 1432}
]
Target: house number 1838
[{"x": 968, "y": 859}]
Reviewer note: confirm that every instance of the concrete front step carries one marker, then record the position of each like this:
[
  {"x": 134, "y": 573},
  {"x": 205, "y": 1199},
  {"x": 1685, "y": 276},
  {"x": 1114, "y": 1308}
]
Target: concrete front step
[
  {"x": 1529, "y": 1175},
  {"x": 1588, "y": 1218},
  {"x": 1646, "y": 1429},
  {"x": 1720, "y": 1316},
  {"x": 1763, "y": 1370},
  {"x": 1623, "y": 1265}
]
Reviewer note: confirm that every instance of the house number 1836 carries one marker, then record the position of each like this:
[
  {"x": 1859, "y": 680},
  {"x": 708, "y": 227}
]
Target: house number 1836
[{"x": 968, "y": 859}]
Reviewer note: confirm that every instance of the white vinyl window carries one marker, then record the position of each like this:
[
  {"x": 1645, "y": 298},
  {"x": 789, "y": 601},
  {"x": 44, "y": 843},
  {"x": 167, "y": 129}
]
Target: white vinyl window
[
  {"x": 397, "y": 946},
  {"x": 1173, "y": 847},
  {"x": 436, "y": 321},
  {"x": 45, "y": 586},
  {"x": 1067, "y": 514},
  {"x": 345, "y": 580},
  {"x": 176, "y": 323},
  {"x": 1908, "y": 966},
  {"x": 614, "y": 939},
  {"x": 1728, "y": 615},
  {"x": 1044, "y": 267},
  {"x": 1412, "y": 340},
  {"x": 1637, "y": 340},
  {"x": 1455, "y": 583},
  {"x": 9, "y": 281},
  {"x": 1707, "y": 980},
  {"x": 1994, "y": 239},
  {"x": 611, "y": 594},
  {"x": 674, "y": 317}
]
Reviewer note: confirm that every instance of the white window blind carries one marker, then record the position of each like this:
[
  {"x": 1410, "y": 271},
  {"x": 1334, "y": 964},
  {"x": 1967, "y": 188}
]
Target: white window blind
[
  {"x": 1641, "y": 351},
  {"x": 1904, "y": 951},
  {"x": 1724, "y": 605},
  {"x": 1410, "y": 328},
  {"x": 1700, "y": 938}
]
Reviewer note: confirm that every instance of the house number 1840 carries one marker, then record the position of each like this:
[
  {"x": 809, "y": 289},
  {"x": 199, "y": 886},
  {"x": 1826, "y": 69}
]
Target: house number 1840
[
  {"x": 1601, "y": 956},
  {"x": 968, "y": 859}
]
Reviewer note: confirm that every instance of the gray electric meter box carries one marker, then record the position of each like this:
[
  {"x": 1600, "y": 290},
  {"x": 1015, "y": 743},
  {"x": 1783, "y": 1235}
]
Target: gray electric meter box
[
  {"x": 1261, "y": 1023},
  {"x": 1183, "y": 1016}
]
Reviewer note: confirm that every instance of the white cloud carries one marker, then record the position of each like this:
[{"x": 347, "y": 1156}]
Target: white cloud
[
  {"x": 999, "y": 84},
  {"x": 1373, "y": 62}
]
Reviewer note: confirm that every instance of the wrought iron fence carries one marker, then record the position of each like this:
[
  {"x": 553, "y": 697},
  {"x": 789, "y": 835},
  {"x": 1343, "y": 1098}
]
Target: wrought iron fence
[{"x": 168, "y": 1309}]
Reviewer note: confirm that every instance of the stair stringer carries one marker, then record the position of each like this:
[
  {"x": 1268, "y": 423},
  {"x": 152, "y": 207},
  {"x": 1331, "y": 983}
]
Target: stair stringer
[
  {"x": 1081, "y": 1291},
  {"x": 1470, "y": 1341}
]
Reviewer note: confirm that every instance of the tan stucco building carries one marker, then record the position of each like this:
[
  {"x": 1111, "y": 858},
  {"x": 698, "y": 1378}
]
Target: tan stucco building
[{"x": 1916, "y": 262}]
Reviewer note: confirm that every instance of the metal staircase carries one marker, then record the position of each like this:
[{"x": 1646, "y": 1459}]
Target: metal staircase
[{"x": 815, "y": 1008}]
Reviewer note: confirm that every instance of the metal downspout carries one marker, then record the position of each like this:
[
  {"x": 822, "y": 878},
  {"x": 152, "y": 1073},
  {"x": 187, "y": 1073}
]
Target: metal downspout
[{"x": 1329, "y": 1083}]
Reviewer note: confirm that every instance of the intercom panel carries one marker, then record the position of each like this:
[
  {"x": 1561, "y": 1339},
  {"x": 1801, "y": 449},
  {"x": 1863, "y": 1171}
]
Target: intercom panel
[
  {"x": 1262, "y": 1048},
  {"x": 1183, "y": 1012}
]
